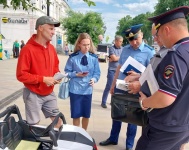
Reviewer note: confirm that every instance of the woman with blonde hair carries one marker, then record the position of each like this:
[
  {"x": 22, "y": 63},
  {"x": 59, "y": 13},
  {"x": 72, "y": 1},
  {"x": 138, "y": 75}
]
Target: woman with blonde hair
[{"x": 83, "y": 70}]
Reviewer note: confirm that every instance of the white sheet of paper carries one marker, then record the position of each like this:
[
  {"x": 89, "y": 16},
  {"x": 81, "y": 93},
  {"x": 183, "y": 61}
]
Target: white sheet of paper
[
  {"x": 59, "y": 75},
  {"x": 134, "y": 63},
  {"x": 121, "y": 84},
  {"x": 148, "y": 75}
]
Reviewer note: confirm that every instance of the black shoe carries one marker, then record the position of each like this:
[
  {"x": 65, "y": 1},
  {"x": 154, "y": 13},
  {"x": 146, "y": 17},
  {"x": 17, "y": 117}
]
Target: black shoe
[
  {"x": 107, "y": 142},
  {"x": 103, "y": 106},
  {"x": 129, "y": 148}
]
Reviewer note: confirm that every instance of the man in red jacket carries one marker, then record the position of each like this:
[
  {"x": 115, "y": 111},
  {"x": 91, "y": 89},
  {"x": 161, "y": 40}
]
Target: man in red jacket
[{"x": 37, "y": 64}]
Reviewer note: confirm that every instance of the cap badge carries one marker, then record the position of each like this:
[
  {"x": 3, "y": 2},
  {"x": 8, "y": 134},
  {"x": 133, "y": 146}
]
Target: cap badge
[
  {"x": 131, "y": 34},
  {"x": 157, "y": 26},
  {"x": 128, "y": 30}
]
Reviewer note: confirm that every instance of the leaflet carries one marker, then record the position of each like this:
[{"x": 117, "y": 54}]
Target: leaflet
[
  {"x": 132, "y": 64},
  {"x": 122, "y": 85},
  {"x": 148, "y": 75},
  {"x": 59, "y": 76}
]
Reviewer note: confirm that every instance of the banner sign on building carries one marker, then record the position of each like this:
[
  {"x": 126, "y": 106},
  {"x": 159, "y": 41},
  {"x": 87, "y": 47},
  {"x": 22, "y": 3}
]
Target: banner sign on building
[{"x": 13, "y": 20}]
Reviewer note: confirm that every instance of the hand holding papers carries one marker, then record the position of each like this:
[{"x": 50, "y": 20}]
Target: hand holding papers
[
  {"x": 122, "y": 85},
  {"x": 59, "y": 76},
  {"x": 132, "y": 64},
  {"x": 149, "y": 82}
]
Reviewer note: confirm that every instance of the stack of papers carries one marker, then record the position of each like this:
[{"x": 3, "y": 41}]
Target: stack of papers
[
  {"x": 122, "y": 85},
  {"x": 149, "y": 78},
  {"x": 59, "y": 76},
  {"x": 132, "y": 64}
]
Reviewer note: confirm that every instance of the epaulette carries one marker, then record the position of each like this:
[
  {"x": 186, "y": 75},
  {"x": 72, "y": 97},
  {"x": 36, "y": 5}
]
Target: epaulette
[
  {"x": 74, "y": 54},
  {"x": 151, "y": 48},
  {"x": 94, "y": 55}
]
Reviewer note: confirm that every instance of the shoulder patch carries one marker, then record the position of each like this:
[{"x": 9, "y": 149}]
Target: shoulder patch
[
  {"x": 74, "y": 54},
  {"x": 168, "y": 71},
  {"x": 94, "y": 55},
  {"x": 148, "y": 47}
]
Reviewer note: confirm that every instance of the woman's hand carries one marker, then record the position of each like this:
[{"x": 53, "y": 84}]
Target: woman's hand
[{"x": 91, "y": 82}]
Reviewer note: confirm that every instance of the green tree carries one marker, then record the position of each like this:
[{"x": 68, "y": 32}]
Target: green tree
[
  {"x": 165, "y": 5},
  {"x": 107, "y": 38},
  {"x": 27, "y": 4},
  {"x": 76, "y": 23},
  {"x": 126, "y": 22}
]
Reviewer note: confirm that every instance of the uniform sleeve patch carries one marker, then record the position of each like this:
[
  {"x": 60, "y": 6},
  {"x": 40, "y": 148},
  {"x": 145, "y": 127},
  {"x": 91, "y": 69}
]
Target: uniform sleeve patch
[{"x": 168, "y": 72}]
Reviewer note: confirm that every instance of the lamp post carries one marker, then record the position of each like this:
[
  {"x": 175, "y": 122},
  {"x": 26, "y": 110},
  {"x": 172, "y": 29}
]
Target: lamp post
[
  {"x": 48, "y": 7},
  {"x": 1, "y": 46},
  {"x": 104, "y": 27}
]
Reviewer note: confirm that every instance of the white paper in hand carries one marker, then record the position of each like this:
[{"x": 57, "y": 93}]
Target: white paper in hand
[
  {"x": 59, "y": 76},
  {"x": 148, "y": 75},
  {"x": 122, "y": 85},
  {"x": 132, "y": 64}
]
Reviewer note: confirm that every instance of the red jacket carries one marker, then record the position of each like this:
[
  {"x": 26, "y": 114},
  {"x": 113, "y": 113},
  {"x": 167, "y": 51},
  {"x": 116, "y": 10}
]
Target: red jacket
[{"x": 35, "y": 62}]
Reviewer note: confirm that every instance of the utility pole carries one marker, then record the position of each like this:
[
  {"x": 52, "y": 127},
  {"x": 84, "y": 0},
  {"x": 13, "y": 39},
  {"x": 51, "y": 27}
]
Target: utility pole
[
  {"x": 48, "y": 7},
  {"x": 1, "y": 46}
]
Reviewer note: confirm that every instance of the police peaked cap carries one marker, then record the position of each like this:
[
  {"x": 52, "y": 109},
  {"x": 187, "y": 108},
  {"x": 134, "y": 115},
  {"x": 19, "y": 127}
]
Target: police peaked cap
[{"x": 166, "y": 17}]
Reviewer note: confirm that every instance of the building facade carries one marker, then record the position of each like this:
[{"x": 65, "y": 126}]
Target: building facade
[{"x": 20, "y": 24}]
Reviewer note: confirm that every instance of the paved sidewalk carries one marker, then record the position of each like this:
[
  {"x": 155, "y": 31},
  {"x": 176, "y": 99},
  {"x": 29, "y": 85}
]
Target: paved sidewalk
[{"x": 100, "y": 121}]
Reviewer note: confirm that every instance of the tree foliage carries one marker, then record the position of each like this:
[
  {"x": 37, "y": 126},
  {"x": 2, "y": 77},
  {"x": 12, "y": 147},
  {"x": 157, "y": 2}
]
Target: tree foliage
[
  {"x": 126, "y": 22},
  {"x": 165, "y": 5},
  {"x": 161, "y": 7},
  {"x": 76, "y": 23},
  {"x": 27, "y": 4}
]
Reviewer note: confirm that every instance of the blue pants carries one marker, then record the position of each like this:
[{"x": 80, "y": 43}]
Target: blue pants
[
  {"x": 110, "y": 77},
  {"x": 67, "y": 52},
  {"x": 131, "y": 133}
]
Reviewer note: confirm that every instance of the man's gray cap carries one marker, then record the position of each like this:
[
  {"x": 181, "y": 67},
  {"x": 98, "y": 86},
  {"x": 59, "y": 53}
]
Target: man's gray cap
[{"x": 46, "y": 20}]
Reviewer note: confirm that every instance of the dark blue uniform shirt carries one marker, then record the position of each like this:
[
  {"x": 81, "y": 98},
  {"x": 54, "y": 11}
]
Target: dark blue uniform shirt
[{"x": 173, "y": 79}]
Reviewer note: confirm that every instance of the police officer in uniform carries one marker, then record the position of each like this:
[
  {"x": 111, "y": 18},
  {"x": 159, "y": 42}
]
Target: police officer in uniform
[
  {"x": 168, "y": 126},
  {"x": 84, "y": 71},
  {"x": 142, "y": 53},
  {"x": 133, "y": 77}
]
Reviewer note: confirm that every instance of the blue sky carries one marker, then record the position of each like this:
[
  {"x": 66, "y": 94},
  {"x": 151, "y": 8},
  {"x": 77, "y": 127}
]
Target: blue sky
[{"x": 114, "y": 10}]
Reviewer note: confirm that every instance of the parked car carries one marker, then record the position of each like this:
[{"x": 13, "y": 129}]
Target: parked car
[
  {"x": 19, "y": 135},
  {"x": 103, "y": 52}
]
